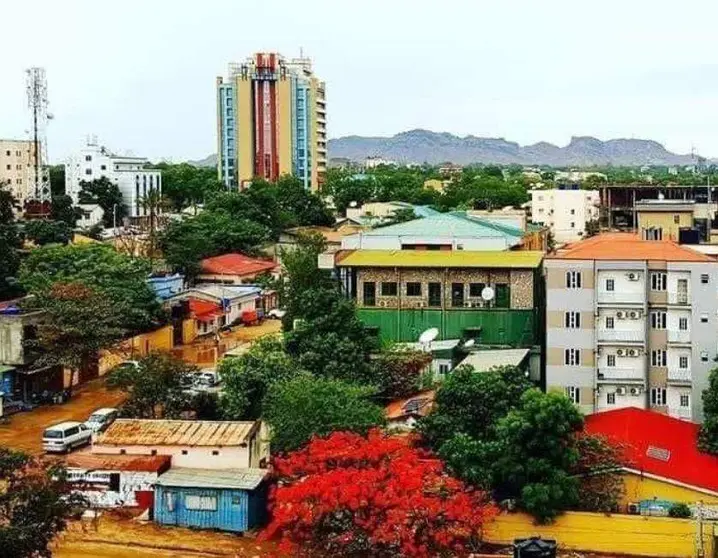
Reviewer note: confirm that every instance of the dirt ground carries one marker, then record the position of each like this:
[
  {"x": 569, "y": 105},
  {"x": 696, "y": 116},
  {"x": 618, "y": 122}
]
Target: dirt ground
[
  {"x": 117, "y": 537},
  {"x": 23, "y": 431}
]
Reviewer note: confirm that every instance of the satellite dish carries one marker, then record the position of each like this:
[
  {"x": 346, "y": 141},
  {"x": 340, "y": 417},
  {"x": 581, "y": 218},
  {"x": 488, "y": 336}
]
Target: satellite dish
[
  {"x": 352, "y": 204},
  {"x": 488, "y": 294},
  {"x": 469, "y": 343},
  {"x": 429, "y": 335}
]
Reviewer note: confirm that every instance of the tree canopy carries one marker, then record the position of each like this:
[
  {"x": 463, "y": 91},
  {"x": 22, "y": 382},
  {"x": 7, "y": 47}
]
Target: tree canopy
[
  {"x": 10, "y": 244},
  {"x": 185, "y": 185},
  {"x": 42, "y": 232},
  {"x": 103, "y": 192},
  {"x": 708, "y": 438}
]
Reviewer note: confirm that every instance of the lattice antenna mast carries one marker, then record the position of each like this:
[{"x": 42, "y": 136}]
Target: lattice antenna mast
[{"x": 39, "y": 183}]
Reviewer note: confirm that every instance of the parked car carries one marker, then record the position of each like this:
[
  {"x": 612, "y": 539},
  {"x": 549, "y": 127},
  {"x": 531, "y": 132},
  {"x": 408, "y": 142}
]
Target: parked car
[
  {"x": 127, "y": 364},
  {"x": 101, "y": 419},
  {"x": 66, "y": 436},
  {"x": 276, "y": 314}
]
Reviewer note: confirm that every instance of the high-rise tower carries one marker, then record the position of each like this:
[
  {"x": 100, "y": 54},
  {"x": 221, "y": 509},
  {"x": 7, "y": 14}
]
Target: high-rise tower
[{"x": 271, "y": 121}]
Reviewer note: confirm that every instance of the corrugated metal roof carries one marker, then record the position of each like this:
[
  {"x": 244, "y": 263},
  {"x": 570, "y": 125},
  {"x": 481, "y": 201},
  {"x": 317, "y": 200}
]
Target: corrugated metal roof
[
  {"x": 442, "y": 225},
  {"x": 142, "y": 432},
  {"x": 241, "y": 479},
  {"x": 440, "y": 258},
  {"x": 94, "y": 461},
  {"x": 486, "y": 360}
]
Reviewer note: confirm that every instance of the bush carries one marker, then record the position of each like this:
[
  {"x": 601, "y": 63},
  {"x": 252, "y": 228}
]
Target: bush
[{"x": 680, "y": 510}]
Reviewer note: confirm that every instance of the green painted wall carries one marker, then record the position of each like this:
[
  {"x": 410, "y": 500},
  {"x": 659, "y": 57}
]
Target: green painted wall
[{"x": 499, "y": 326}]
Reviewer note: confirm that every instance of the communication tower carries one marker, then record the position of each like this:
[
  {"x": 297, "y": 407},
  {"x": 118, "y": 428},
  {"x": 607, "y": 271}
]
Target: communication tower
[{"x": 39, "y": 192}]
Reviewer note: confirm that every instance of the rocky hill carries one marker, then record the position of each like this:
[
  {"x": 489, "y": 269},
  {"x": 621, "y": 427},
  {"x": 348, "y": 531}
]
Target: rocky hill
[{"x": 418, "y": 146}]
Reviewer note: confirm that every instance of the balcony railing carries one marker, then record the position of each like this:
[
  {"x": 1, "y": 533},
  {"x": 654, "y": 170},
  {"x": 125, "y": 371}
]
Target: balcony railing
[
  {"x": 680, "y": 299},
  {"x": 616, "y": 297},
  {"x": 620, "y": 373},
  {"x": 620, "y": 336},
  {"x": 679, "y": 374},
  {"x": 679, "y": 336}
]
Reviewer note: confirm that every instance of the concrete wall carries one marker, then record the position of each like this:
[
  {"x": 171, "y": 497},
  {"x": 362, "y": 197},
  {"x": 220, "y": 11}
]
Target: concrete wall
[
  {"x": 666, "y": 221},
  {"x": 136, "y": 348},
  {"x": 196, "y": 457}
]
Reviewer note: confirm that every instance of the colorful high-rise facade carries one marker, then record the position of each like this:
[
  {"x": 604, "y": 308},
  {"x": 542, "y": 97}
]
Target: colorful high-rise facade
[{"x": 271, "y": 121}]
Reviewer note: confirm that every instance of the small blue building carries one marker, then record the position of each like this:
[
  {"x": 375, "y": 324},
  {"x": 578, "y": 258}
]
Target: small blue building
[
  {"x": 166, "y": 286},
  {"x": 228, "y": 500}
]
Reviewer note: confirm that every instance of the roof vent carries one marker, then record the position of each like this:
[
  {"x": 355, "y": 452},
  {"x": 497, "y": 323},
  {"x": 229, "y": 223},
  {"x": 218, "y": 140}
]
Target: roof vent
[{"x": 658, "y": 453}]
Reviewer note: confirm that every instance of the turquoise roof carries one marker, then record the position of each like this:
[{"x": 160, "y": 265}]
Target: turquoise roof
[{"x": 448, "y": 225}]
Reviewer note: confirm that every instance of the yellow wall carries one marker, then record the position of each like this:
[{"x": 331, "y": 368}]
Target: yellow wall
[
  {"x": 284, "y": 126},
  {"x": 245, "y": 131},
  {"x": 614, "y": 534},
  {"x": 135, "y": 348},
  {"x": 641, "y": 488},
  {"x": 189, "y": 330},
  {"x": 665, "y": 221}
]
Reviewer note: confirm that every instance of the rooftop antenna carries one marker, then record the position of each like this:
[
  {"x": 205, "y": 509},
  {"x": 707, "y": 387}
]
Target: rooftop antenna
[
  {"x": 37, "y": 102},
  {"x": 427, "y": 337},
  {"x": 469, "y": 343}
]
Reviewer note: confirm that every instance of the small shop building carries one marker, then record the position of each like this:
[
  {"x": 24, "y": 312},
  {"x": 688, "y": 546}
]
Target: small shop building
[{"x": 228, "y": 500}]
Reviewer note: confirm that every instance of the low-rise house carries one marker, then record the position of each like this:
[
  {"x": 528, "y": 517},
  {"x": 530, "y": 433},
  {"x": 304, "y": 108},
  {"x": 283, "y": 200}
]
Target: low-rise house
[
  {"x": 235, "y": 269},
  {"x": 89, "y": 215},
  {"x": 191, "y": 443},
  {"x": 403, "y": 414},
  {"x": 167, "y": 286},
  {"x": 444, "y": 355},
  {"x": 662, "y": 462},
  {"x": 663, "y": 219},
  {"x": 484, "y": 360},
  {"x": 229, "y": 500},
  {"x": 109, "y": 481}
]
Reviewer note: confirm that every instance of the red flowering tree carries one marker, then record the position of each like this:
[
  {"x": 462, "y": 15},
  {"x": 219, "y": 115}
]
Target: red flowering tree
[{"x": 347, "y": 495}]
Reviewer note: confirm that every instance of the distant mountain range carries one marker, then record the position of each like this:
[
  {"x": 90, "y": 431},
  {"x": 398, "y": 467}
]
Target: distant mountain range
[
  {"x": 424, "y": 146},
  {"x": 419, "y": 146}
]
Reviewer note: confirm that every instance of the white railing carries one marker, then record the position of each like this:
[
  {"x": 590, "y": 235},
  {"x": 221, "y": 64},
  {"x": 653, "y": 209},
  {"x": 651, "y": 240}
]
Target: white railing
[
  {"x": 620, "y": 373},
  {"x": 623, "y": 336},
  {"x": 617, "y": 297},
  {"x": 679, "y": 374},
  {"x": 679, "y": 336},
  {"x": 681, "y": 299}
]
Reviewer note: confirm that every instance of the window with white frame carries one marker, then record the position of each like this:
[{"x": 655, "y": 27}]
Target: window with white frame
[
  {"x": 704, "y": 318},
  {"x": 574, "y": 394},
  {"x": 572, "y": 357},
  {"x": 659, "y": 279},
  {"x": 610, "y": 284},
  {"x": 611, "y": 360},
  {"x": 199, "y": 502},
  {"x": 658, "y": 320},
  {"x": 683, "y": 324},
  {"x": 610, "y": 399},
  {"x": 683, "y": 362},
  {"x": 572, "y": 320},
  {"x": 443, "y": 369},
  {"x": 704, "y": 278},
  {"x": 610, "y": 322},
  {"x": 658, "y": 358},
  {"x": 658, "y": 396},
  {"x": 704, "y": 356},
  {"x": 685, "y": 400},
  {"x": 573, "y": 279}
]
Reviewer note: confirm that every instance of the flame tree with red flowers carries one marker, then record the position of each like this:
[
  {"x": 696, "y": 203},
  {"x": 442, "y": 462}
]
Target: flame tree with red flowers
[{"x": 348, "y": 495}]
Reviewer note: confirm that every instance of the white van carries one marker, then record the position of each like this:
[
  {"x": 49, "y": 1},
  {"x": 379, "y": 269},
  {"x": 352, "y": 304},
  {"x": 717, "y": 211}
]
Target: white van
[
  {"x": 66, "y": 436},
  {"x": 101, "y": 419}
]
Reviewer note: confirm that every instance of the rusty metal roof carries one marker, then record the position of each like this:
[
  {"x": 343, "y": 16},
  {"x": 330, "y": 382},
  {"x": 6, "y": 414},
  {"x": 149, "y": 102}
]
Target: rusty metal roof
[
  {"x": 93, "y": 461},
  {"x": 144, "y": 432}
]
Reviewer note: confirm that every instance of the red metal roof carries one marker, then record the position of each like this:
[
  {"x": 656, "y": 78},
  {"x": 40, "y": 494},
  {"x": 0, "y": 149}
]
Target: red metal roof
[
  {"x": 93, "y": 461},
  {"x": 204, "y": 310},
  {"x": 659, "y": 445},
  {"x": 236, "y": 264},
  {"x": 418, "y": 405}
]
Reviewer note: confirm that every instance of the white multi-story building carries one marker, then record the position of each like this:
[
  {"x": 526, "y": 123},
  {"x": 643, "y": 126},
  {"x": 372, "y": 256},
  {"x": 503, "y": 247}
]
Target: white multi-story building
[
  {"x": 134, "y": 180},
  {"x": 565, "y": 212},
  {"x": 631, "y": 323}
]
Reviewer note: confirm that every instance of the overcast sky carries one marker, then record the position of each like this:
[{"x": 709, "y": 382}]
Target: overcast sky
[{"x": 140, "y": 74}]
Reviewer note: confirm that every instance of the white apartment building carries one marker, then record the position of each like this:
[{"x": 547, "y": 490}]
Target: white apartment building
[
  {"x": 566, "y": 212},
  {"x": 129, "y": 173},
  {"x": 17, "y": 162},
  {"x": 631, "y": 323}
]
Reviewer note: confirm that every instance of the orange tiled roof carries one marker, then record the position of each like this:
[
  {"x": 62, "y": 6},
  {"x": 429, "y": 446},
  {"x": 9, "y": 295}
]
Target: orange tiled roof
[
  {"x": 236, "y": 264},
  {"x": 626, "y": 246}
]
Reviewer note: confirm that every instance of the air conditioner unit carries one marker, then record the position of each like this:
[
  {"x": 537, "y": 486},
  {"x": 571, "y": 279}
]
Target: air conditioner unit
[
  {"x": 620, "y": 314},
  {"x": 634, "y": 314},
  {"x": 467, "y": 304},
  {"x": 633, "y": 352},
  {"x": 635, "y": 391},
  {"x": 620, "y": 352},
  {"x": 634, "y": 508},
  {"x": 632, "y": 276},
  {"x": 420, "y": 304},
  {"x": 621, "y": 391}
]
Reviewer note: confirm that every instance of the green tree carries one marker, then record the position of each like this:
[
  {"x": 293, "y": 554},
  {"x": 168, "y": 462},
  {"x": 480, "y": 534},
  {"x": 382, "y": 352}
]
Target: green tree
[
  {"x": 185, "y": 243},
  {"x": 305, "y": 207},
  {"x": 154, "y": 387},
  {"x": 304, "y": 407},
  {"x": 43, "y": 232},
  {"x": 246, "y": 378},
  {"x": 708, "y": 437},
  {"x": 57, "y": 180},
  {"x": 118, "y": 278},
  {"x": 107, "y": 195},
  {"x": 186, "y": 185},
  {"x": 10, "y": 244},
  {"x": 36, "y": 503},
  {"x": 62, "y": 210},
  {"x": 399, "y": 373}
]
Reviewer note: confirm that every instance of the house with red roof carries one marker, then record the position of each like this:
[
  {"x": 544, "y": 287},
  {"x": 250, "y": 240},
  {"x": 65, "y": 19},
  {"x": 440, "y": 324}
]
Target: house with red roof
[
  {"x": 235, "y": 269},
  {"x": 662, "y": 463},
  {"x": 403, "y": 414}
]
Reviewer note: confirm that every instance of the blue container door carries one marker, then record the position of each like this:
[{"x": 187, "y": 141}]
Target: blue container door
[
  {"x": 239, "y": 510},
  {"x": 166, "y": 502}
]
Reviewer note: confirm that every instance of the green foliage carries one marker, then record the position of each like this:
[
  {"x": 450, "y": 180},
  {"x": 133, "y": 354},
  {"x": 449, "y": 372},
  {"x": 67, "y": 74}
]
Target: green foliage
[
  {"x": 118, "y": 278},
  {"x": 304, "y": 407},
  {"x": 62, "y": 210},
  {"x": 57, "y": 180},
  {"x": 154, "y": 387},
  {"x": 483, "y": 189},
  {"x": 246, "y": 378},
  {"x": 103, "y": 192},
  {"x": 472, "y": 403},
  {"x": 186, "y": 185},
  {"x": 600, "y": 473},
  {"x": 10, "y": 243},
  {"x": 398, "y": 374},
  {"x": 43, "y": 232},
  {"x": 708, "y": 437},
  {"x": 185, "y": 243},
  {"x": 680, "y": 510}
]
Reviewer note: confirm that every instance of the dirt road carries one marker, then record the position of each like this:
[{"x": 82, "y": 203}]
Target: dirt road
[{"x": 23, "y": 431}]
